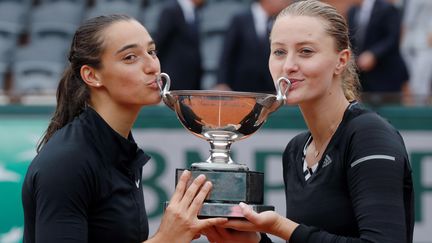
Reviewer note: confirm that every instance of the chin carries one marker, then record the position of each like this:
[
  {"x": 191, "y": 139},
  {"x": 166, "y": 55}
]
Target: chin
[
  {"x": 150, "y": 99},
  {"x": 155, "y": 101},
  {"x": 293, "y": 100}
]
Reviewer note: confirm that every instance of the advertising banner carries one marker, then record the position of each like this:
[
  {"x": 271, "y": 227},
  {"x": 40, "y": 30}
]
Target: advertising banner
[{"x": 172, "y": 147}]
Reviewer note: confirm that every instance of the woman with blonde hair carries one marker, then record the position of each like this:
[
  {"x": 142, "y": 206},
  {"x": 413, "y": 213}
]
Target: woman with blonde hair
[{"x": 348, "y": 178}]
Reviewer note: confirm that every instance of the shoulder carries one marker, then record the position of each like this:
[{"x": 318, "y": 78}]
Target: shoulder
[
  {"x": 352, "y": 10},
  {"x": 59, "y": 163},
  {"x": 243, "y": 16},
  {"x": 366, "y": 121},
  {"x": 368, "y": 134},
  {"x": 69, "y": 153},
  {"x": 385, "y": 7},
  {"x": 360, "y": 122},
  {"x": 172, "y": 8},
  {"x": 70, "y": 142},
  {"x": 63, "y": 172},
  {"x": 246, "y": 14},
  {"x": 383, "y": 3}
]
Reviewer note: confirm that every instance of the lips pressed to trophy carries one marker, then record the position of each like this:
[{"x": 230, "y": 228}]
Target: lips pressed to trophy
[{"x": 221, "y": 118}]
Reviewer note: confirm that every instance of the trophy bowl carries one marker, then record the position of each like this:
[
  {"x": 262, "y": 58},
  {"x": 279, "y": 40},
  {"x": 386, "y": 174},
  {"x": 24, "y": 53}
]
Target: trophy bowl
[{"x": 221, "y": 118}]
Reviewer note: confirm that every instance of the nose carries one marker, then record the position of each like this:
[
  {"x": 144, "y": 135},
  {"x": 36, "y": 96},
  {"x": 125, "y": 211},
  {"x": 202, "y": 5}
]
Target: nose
[
  {"x": 151, "y": 65},
  {"x": 290, "y": 65}
]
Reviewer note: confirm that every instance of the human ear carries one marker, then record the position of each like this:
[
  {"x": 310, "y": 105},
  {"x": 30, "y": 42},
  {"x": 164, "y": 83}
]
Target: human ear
[
  {"x": 89, "y": 76},
  {"x": 343, "y": 59}
]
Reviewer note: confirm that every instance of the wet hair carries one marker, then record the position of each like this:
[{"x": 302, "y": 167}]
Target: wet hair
[
  {"x": 336, "y": 27},
  {"x": 73, "y": 93}
]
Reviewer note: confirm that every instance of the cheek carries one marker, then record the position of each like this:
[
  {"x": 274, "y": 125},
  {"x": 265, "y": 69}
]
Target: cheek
[
  {"x": 276, "y": 68},
  {"x": 123, "y": 83},
  {"x": 128, "y": 78},
  {"x": 323, "y": 69}
]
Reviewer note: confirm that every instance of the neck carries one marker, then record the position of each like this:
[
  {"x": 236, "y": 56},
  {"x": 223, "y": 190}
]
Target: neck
[
  {"x": 120, "y": 119},
  {"x": 323, "y": 118}
]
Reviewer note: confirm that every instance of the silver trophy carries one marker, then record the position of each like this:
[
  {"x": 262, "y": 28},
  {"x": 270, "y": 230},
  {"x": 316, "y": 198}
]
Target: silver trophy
[{"x": 221, "y": 118}]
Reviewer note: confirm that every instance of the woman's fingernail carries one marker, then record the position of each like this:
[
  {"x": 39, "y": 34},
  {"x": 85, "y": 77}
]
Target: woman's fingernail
[
  {"x": 201, "y": 177},
  {"x": 208, "y": 184},
  {"x": 186, "y": 172}
]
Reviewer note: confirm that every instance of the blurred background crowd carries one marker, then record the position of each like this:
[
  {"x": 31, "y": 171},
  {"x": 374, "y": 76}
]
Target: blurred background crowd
[{"x": 217, "y": 44}]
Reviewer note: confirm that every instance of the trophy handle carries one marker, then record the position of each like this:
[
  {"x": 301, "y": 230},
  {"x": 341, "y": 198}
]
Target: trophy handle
[
  {"x": 282, "y": 86},
  {"x": 164, "y": 90}
]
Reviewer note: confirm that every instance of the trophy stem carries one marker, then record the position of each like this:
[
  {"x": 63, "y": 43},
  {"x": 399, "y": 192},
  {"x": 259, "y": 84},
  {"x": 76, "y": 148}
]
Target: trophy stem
[
  {"x": 220, "y": 158},
  {"x": 220, "y": 152}
]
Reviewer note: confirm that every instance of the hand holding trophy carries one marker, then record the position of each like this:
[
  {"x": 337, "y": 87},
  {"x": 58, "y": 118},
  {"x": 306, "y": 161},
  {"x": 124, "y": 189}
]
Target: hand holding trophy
[{"x": 221, "y": 118}]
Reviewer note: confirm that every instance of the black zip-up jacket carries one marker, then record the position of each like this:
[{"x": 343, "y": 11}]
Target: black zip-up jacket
[
  {"x": 362, "y": 190},
  {"x": 85, "y": 186}
]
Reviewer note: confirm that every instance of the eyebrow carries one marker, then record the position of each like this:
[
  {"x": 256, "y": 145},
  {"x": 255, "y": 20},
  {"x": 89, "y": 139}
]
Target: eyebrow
[
  {"x": 151, "y": 42},
  {"x": 305, "y": 43},
  {"x": 276, "y": 43},
  {"x": 297, "y": 44}
]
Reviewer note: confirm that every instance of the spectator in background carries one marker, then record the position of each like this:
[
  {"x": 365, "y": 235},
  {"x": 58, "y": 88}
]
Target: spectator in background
[
  {"x": 417, "y": 48},
  {"x": 375, "y": 35},
  {"x": 177, "y": 38},
  {"x": 244, "y": 60}
]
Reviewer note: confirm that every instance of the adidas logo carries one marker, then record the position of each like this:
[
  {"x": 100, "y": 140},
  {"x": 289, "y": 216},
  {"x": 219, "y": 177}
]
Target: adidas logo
[{"x": 327, "y": 161}]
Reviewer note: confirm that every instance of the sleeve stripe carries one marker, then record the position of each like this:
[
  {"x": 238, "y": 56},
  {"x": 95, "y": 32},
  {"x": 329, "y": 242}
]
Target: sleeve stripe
[{"x": 378, "y": 156}]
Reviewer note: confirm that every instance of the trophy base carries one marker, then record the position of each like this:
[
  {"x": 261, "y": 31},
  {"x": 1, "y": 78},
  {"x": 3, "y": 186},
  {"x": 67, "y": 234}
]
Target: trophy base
[
  {"x": 227, "y": 210},
  {"x": 218, "y": 166},
  {"x": 230, "y": 187}
]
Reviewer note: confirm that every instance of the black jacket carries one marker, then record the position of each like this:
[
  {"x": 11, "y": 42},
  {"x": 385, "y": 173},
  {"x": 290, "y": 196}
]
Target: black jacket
[
  {"x": 362, "y": 190},
  {"x": 382, "y": 38},
  {"x": 85, "y": 186},
  {"x": 178, "y": 48},
  {"x": 244, "y": 60}
]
